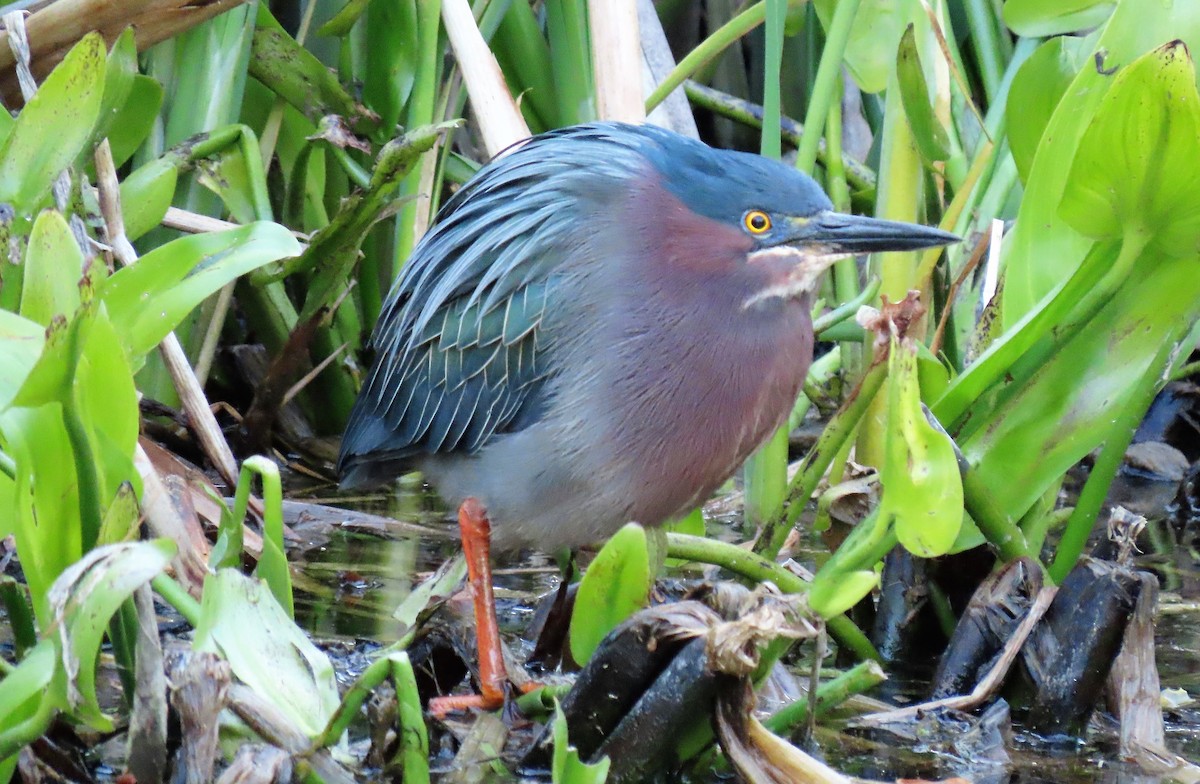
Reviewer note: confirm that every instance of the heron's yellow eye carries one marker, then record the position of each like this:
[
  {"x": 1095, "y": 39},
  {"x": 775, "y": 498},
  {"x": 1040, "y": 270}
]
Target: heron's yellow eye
[{"x": 757, "y": 222}]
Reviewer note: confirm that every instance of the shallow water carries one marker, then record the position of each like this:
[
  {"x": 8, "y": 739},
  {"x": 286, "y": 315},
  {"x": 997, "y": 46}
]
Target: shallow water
[{"x": 351, "y": 584}]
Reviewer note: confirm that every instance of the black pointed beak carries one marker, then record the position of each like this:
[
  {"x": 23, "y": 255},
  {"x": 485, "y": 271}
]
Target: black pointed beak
[{"x": 841, "y": 233}]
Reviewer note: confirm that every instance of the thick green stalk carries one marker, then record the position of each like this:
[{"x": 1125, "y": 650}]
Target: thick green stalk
[
  {"x": 860, "y": 678},
  {"x": 709, "y": 49},
  {"x": 825, "y": 85},
  {"x": 420, "y": 112},
  {"x": 766, "y": 470},
  {"x": 985, "y": 40},
  {"x": 899, "y": 198},
  {"x": 815, "y": 463}
]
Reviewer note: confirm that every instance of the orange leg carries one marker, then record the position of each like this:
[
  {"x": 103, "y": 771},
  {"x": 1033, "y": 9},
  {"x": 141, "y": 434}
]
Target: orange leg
[{"x": 476, "y": 534}]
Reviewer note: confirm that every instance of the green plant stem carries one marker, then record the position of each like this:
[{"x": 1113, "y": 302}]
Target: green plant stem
[
  {"x": 708, "y": 50},
  {"x": 985, "y": 40},
  {"x": 860, "y": 678},
  {"x": 755, "y": 567},
  {"x": 20, "y": 615},
  {"x": 347, "y": 711},
  {"x": 815, "y": 463},
  {"x": 540, "y": 702},
  {"x": 825, "y": 85},
  {"x": 766, "y": 470},
  {"x": 177, "y": 596},
  {"x": 8, "y": 466},
  {"x": 1182, "y": 372},
  {"x": 991, "y": 520},
  {"x": 848, "y": 308},
  {"x": 413, "y": 754},
  {"x": 1095, "y": 490},
  {"x": 858, "y": 176}
]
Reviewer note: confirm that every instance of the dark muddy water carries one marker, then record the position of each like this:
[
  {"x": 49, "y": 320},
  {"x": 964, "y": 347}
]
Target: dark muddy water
[{"x": 352, "y": 582}]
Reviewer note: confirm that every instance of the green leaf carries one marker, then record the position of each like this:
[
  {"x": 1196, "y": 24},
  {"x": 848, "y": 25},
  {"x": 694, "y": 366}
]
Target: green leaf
[
  {"x": 344, "y": 19},
  {"x": 1044, "y": 18},
  {"x": 1038, "y": 86},
  {"x": 82, "y": 601},
  {"x": 26, "y": 706},
  {"x": 146, "y": 194},
  {"x": 878, "y": 25},
  {"x": 21, "y": 343},
  {"x": 241, "y": 621},
  {"x": 53, "y": 267},
  {"x": 135, "y": 119},
  {"x": 1043, "y": 250},
  {"x": 565, "y": 766},
  {"x": 54, "y": 126},
  {"x": 118, "y": 81},
  {"x": 932, "y": 140},
  {"x": 1135, "y": 167},
  {"x": 922, "y": 488},
  {"x": 150, "y": 298},
  {"x": 615, "y": 586}
]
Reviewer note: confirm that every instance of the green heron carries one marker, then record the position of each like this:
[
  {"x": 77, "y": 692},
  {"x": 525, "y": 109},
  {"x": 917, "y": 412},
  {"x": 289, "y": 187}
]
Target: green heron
[{"x": 600, "y": 328}]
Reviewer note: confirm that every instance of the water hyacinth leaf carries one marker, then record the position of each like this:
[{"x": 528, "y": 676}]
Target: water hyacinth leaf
[
  {"x": 241, "y": 621},
  {"x": 122, "y": 516},
  {"x": 146, "y": 194},
  {"x": 1036, "y": 89},
  {"x": 1043, "y": 250},
  {"x": 877, "y": 28},
  {"x": 54, "y": 126},
  {"x": 1044, "y": 18},
  {"x": 53, "y": 266},
  {"x": 932, "y": 140},
  {"x": 1134, "y": 171},
  {"x": 566, "y": 767},
  {"x": 152, "y": 297},
  {"x": 614, "y": 587},
  {"x": 84, "y": 598},
  {"x": 922, "y": 488}
]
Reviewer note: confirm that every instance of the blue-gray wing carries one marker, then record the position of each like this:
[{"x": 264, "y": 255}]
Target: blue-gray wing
[{"x": 460, "y": 349}]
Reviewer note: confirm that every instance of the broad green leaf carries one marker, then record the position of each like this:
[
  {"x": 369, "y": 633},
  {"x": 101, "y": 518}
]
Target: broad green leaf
[
  {"x": 1025, "y": 440},
  {"x": 1043, "y": 250},
  {"x": 20, "y": 345},
  {"x": 150, "y": 298},
  {"x": 1044, "y": 18},
  {"x": 241, "y": 621},
  {"x": 121, "y": 519},
  {"x": 565, "y": 765},
  {"x": 146, "y": 194},
  {"x": 53, "y": 127},
  {"x": 53, "y": 267},
  {"x": 1135, "y": 168},
  {"x": 871, "y": 51},
  {"x": 922, "y": 488},
  {"x": 82, "y": 601},
  {"x": 392, "y": 50},
  {"x": 135, "y": 119},
  {"x": 107, "y": 401},
  {"x": 615, "y": 586},
  {"x": 931, "y": 138},
  {"x": 118, "y": 81},
  {"x": 1036, "y": 89}
]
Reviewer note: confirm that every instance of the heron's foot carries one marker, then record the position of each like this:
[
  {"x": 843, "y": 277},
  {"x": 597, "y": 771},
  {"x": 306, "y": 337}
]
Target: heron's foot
[{"x": 476, "y": 532}]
